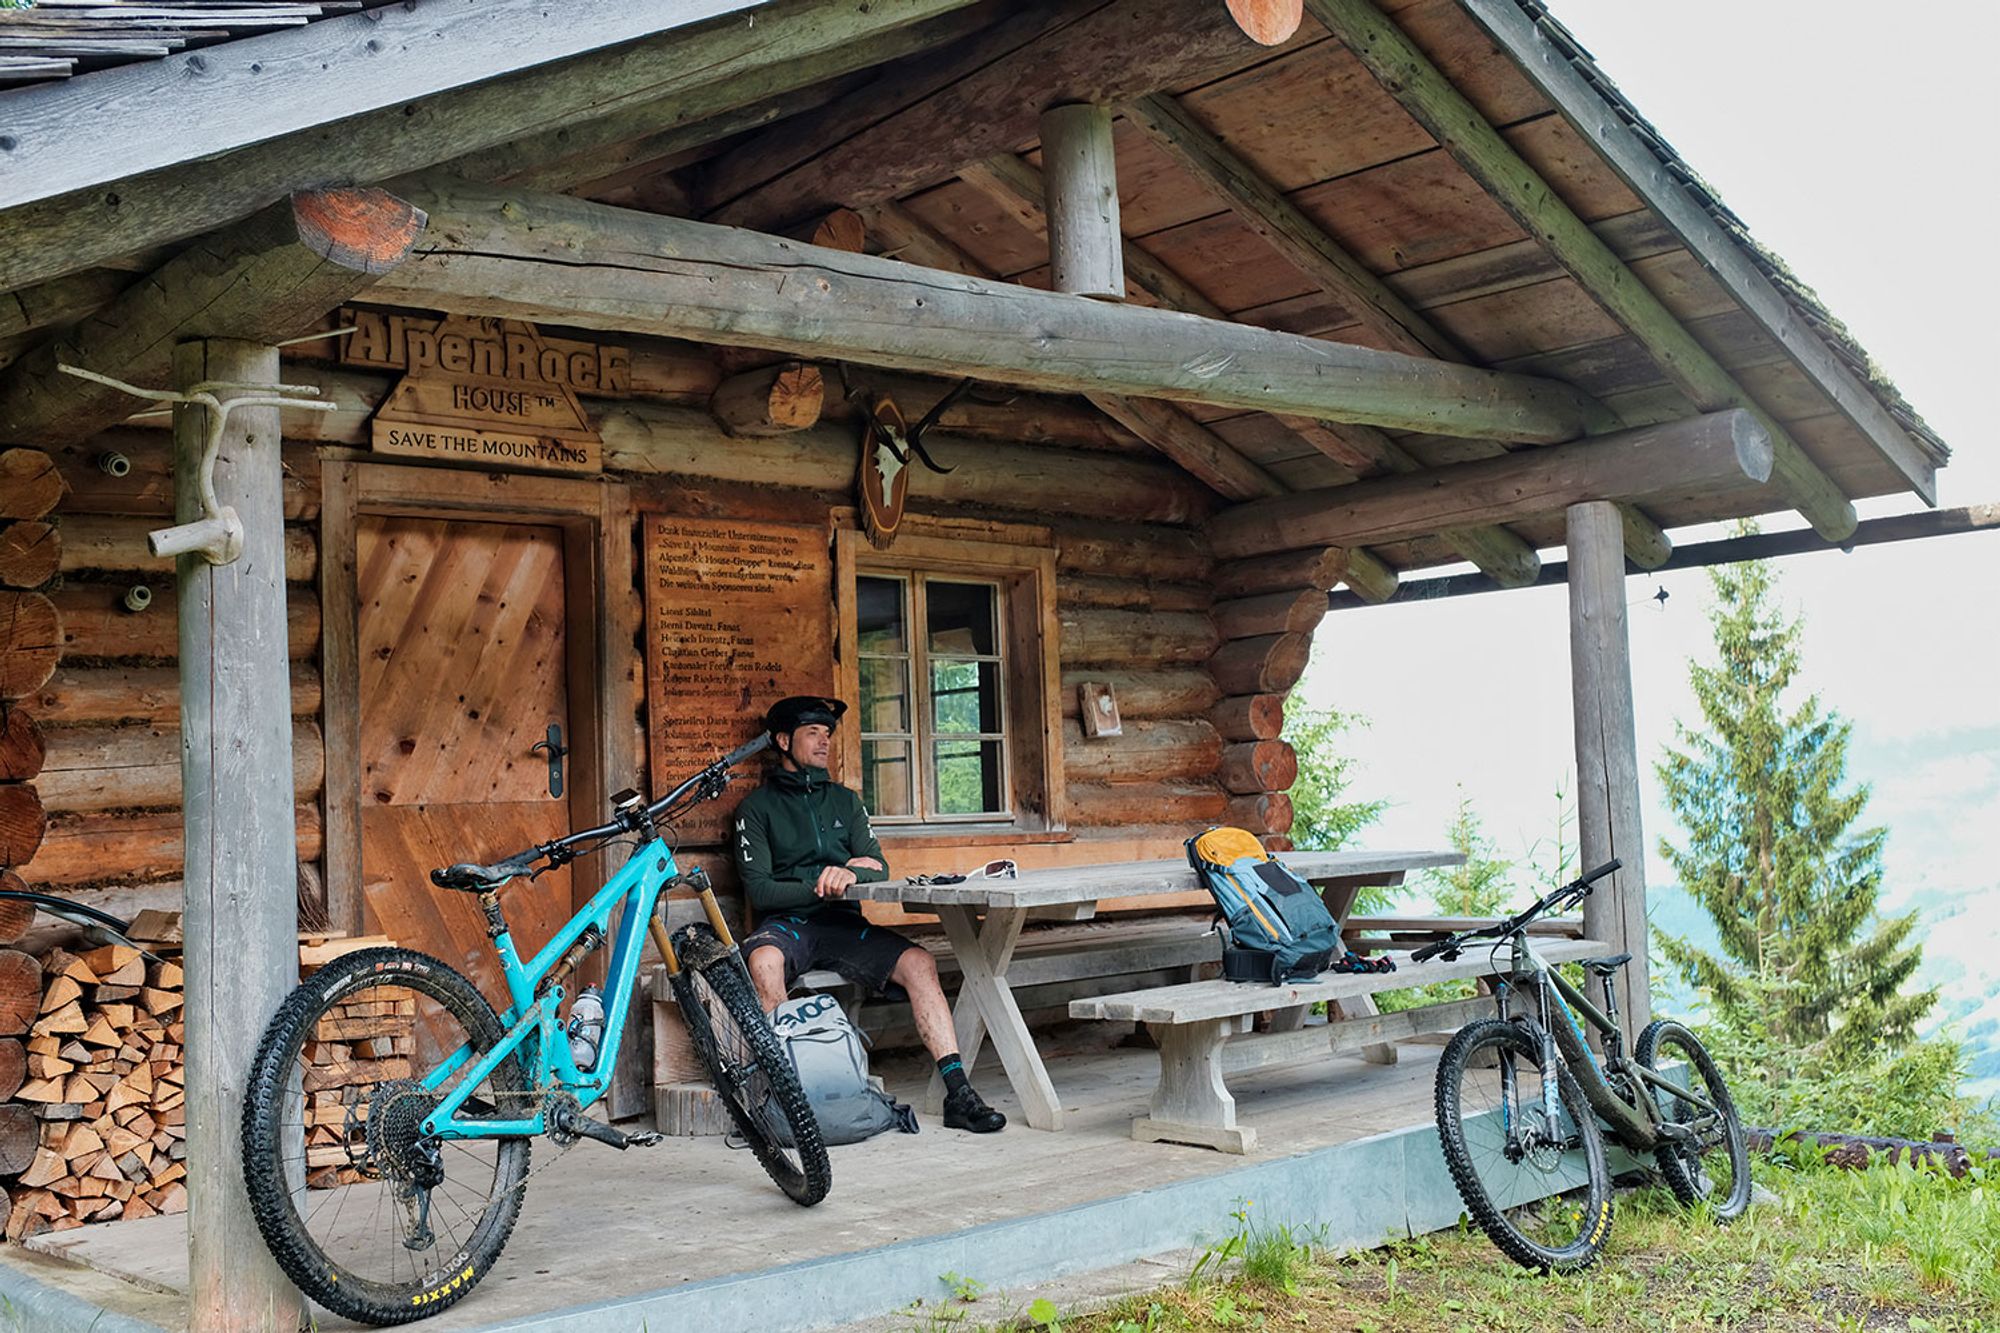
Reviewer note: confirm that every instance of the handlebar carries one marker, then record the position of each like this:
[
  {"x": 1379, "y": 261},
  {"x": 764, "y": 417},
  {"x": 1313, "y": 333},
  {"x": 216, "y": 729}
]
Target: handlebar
[
  {"x": 705, "y": 785},
  {"x": 1555, "y": 900}
]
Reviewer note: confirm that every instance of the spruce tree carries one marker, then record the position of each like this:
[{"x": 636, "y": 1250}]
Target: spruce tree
[{"x": 1773, "y": 853}]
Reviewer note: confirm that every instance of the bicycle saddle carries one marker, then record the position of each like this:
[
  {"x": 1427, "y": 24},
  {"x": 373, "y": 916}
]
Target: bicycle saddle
[
  {"x": 470, "y": 878},
  {"x": 1605, "y": 967}
]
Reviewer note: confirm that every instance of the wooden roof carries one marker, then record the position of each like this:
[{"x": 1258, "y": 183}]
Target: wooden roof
[
  {"x": 53, "y": 39},
  {"x": 1310, "y": 121}
]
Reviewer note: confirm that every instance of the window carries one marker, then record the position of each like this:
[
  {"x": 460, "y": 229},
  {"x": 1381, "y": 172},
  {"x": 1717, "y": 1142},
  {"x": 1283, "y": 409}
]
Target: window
[
  {"x": 949, "y": 654},
  {"x": 933, "y": 719}
]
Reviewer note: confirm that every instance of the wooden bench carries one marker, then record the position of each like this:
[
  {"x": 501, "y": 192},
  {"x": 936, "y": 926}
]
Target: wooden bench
[{"x": 1202, "y": 1029}]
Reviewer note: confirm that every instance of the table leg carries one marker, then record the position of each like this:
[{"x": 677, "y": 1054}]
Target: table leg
[
  {"x": 983, "y": 956},
  {"x": 1192, "y": 1103},
  {"x": 1339, "y": 895}
]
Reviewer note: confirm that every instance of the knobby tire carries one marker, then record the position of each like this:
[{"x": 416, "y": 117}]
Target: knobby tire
[
  {"x": 1500, "y": 1041},
  {"x": 265, "y": 1142},
  {"x": 807, "y": 1180},
  {"x": 1689, "y": 1173}
]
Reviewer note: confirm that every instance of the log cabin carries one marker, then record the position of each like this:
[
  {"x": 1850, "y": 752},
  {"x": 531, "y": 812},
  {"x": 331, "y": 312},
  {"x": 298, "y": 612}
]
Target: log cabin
[{"x": 610, "y": 336}]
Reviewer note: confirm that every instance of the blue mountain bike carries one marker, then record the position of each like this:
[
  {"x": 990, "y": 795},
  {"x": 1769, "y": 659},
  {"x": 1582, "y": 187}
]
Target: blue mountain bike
[{"x": 387, "y": 1120}]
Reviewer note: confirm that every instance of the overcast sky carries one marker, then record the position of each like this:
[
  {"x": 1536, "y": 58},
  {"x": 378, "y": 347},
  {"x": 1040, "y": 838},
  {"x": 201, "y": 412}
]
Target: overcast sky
[{"x": 1855, "y": 141}]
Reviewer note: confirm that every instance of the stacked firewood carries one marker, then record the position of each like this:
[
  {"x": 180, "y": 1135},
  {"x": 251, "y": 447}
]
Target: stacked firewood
[
  {"x": 104, "y": 1090},
  {"x": 358, "y": 1044}
]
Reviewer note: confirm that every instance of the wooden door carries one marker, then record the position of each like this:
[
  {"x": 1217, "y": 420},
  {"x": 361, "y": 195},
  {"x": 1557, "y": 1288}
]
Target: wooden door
[{"x": 462, "y": 669}]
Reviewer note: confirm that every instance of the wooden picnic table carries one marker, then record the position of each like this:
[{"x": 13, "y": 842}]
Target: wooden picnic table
[{"x": 982, "y": 919}]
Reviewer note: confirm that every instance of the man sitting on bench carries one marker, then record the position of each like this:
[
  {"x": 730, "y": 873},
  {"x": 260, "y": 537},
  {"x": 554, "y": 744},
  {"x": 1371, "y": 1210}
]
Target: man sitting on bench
[{"x": 802, "y": 841}]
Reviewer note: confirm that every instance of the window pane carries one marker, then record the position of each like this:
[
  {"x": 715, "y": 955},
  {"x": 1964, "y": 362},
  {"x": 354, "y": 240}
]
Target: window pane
[
  {"x": 885, "y": 694},
  {"x": 965, "y": 696},
  {"x": 968, "y": 778},
  {"x": 885, "y": 777},
  {"x": 961, "y": 617},
  {"x": 879, "y": 615}
]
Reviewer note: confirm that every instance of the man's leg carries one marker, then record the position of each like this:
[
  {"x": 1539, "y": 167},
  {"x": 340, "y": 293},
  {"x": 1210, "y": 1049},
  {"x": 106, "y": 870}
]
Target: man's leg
[
  {"x": 916, "y": 972},
  {"x": 767, "y": 972}
]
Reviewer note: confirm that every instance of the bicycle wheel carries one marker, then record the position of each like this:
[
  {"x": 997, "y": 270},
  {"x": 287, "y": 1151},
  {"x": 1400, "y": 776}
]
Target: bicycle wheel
[
  {"x": 750, "y": 1070},
  {"x": 1715, "y": 1164},
  {"x": 367, "y": 1216},
  {"x": 1542, "y": 1193}
]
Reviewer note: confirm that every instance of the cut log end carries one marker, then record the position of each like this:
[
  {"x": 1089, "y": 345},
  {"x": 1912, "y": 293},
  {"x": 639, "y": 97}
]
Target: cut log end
[
  {"x": 358, "y": 228},
  {"x": 1267, "y": 22}
]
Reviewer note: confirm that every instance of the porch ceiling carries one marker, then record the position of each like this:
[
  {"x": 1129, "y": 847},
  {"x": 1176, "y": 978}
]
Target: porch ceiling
[{"x": 1353, "y": 178}]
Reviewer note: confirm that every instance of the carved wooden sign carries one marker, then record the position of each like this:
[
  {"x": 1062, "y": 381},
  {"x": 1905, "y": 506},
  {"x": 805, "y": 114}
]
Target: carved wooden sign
[
  {"x": 738, "y": 615},
  {"x": 487, "y": 392}
]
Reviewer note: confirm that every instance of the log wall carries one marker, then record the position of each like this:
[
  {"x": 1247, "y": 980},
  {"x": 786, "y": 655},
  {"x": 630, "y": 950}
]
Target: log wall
[{"x": 107, "y": 709}]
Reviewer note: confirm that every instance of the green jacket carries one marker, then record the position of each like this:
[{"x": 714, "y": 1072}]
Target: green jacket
[{"x": 799, "y": 822}]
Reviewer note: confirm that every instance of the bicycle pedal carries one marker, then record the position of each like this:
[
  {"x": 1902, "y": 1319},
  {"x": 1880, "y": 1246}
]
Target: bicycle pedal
[{"x": 650, "y": 1139}]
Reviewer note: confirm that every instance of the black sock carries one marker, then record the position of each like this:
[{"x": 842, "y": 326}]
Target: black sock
[{"x": 953, "y": 1070}]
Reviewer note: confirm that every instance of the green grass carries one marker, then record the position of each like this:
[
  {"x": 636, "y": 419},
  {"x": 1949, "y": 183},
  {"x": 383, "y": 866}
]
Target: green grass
[{"x": 1870, "y": 1251}]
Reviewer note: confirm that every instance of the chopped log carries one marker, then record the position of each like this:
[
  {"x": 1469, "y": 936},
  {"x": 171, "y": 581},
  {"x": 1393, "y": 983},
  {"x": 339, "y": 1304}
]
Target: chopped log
[
  {"x": 167, "y": 975},
  {"x": 1262, "y": 812},
  {"x": 110, "y": 958},
  {"x": 30, "y": 554},
  {"x": 267, "y": 277},
  {"x": 1268, "y": 664},
  {"x": 1256, "y": 766},
  {"x": 47, "y": 1167},
  {"x": 23, "y": 824},
  {"x": 1172, "y": 692},
  {"x": 774, "y": 400},
  {"x": 137, "y": 1207},
  {"x": 1113, "y": 804},
  {"x": 1146, "y": 751},
  {"x": 172, "y": 1199},
  {"x": 117, "y": 544},
  {"x": 1717, "y": 452},
  {"x": 43, "y": 1089},
  {"x": 20, "y": 991},
  {"x": 160, "y": 1001},
  {"x": 30, "y": 483},
  {"x": 95, "y": 848},
  {"x": 22, "y": 747},
  {"x": 13, "y": 1070},
  {"x": 77, "y": 695},
  {"x": 155, "y": 925},
  {"x": 31, "y": 643},
  {"x": 1272, "y": 613},
  {"x": 95, "y": 623},
  {"x": 1090, "y": 635},
  {"x": 1284, "y": 572},
  {"x": 490, "y": 254},
  {"x": 62, "y": 990},
  {"x": 1249, "y": 717}
]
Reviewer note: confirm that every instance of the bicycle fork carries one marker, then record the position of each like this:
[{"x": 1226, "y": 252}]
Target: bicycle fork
[{"x": 697, "y": 879}]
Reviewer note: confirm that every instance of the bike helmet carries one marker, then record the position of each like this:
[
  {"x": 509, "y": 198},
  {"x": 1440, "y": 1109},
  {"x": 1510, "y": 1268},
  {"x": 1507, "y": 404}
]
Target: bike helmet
[{"x": 801, "y": 710}]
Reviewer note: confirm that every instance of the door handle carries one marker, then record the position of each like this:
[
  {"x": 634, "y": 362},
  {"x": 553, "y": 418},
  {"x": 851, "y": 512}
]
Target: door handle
[{"x": 556, "y": 751}]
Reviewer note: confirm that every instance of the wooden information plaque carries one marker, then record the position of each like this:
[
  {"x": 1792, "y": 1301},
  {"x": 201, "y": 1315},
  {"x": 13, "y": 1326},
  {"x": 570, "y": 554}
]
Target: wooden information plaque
[{"x": 738, "y": 615}]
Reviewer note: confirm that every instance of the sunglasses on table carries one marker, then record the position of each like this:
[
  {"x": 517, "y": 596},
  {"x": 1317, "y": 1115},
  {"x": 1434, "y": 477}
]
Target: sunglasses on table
[{"x": 1001, "y": 869}]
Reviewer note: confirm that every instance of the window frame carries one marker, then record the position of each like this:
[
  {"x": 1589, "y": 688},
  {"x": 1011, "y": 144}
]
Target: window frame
[{"x": 1031, "y": 717}]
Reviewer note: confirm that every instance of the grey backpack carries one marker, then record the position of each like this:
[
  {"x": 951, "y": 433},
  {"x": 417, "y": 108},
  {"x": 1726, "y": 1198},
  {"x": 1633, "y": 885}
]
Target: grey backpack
[{"x": 827, "y": 1051}]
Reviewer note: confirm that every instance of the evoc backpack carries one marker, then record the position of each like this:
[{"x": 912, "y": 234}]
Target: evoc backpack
[
  {"x": 1276, "y": 928},
  {"x": 826, "y": 1049}
]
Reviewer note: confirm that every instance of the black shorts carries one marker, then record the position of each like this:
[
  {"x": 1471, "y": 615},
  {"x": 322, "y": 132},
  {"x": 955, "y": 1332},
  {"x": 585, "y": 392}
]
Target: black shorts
[{"x": 843, "y": 941}]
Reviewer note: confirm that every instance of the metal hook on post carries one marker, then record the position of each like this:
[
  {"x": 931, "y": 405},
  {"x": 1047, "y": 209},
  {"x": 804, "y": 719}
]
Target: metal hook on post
[{"x": 217, "y": 536}]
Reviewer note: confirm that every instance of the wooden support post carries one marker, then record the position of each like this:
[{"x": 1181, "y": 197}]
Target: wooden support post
[
  {"x": 1607, "y": 755},
  {"x": 241, "y": 920},
  {"x": 1086, "y": 254}
]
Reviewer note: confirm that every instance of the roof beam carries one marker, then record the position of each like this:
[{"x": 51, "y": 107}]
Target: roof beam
[
  {"x": 565, "y": 155},
  {"x": 1196, "y": 449},
  {"x": 78, "y": 229},
  {"x": 555, "y": 259},
  {"x": 212, "y": 101},
  {"x": 1724, "y": 259},
  {"x": 1720, "y": 452},
  {"x": 1489, "y": 159},
  {"x": 1367, "y": 297},
  {"x": 263, "y": 280},
  {"x": 1107, "y": 52}
]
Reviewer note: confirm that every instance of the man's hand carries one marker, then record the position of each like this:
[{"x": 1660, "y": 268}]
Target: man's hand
[
  {"x": 865, "y": 862},
  {"x": 833, "y": 881}
]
